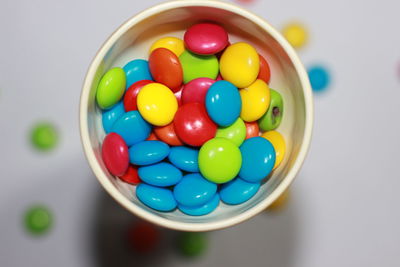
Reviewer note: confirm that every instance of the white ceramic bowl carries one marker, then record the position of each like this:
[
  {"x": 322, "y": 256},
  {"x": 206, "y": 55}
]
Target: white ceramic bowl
[{"x": 132, "y": 40}]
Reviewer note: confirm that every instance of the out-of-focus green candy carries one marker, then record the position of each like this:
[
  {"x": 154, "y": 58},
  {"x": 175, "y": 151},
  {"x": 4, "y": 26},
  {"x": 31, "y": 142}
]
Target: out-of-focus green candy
[
  {"x": 111, "y": 88},
  {"x": 196, "y": 66},
  {"x": 38, "y": 220},
  {"x": 192, "y": 244},
  {"x": 44, "y": 136},
  {"x": 273, "y": 117},
  {"x": 235, "y": 132},
  {"x": 219, "y": 160}
]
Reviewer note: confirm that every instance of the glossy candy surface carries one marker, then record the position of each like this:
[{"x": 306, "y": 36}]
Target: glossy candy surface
[
  {"x": 109, "y": 117},
  {"x": 240, "y": 64},
  {"x": 157, "y": 198},
  {"x": 173, "y": 44},
  {"x": 192, "y": 124},
  {"x": 219, "y": 160},
  {"x": 236, "y": 132},
  {"x": 194, "y": 190},
  {"x": 252, "y": 129},
  {"x": 111, "y": 88},
  {"x": 130, "y": 98},
  {"x": 223, "y": 103},
  {"x": 197, "y": 66},
  {"x": 273, "y": 117},
  {"x": 238, "y": 191},
  {"x": 152, "y": 137},
  {"x": 115, "y": 155},
  {"x": 160, "y": 174},
  {"x": 137, "y": 70},
  {"x": 258, "y": 159},
  {"x": 168, "y": 135},
  {"x": 166, "y": 69},
  {"x": 255, "y": 101},
  {"x": 132, "y": 127},
  {"x": 131, "y": 176},
  {"x": 204, "y": 209},
  {"x": 196, "y": 90},
  {"x": 265, "y": 71},
  {"x": 278, "y": 142},
  {"x": 157, "y": 104},
  {"x": 148, "y": 152},
  {"x": 185, "y": 158},
  {"x": 206, "y": 38}
]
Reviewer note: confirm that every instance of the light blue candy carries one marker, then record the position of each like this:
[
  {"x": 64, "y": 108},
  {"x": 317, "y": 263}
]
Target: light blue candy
[
  {"x": 137, "y": 70},
  {"x": 148, "y": 152},
  {"x": 184, "y": 158},
  {"x": 160, "y": 174},
  {"x": 223, "y": 103},
  {"x": 194, "y": 190},
  {"x": 110, "y": 116},
  {"x": 132, "y": 127},
  {"x": 238, "y": 191},
  {"x": 258, "y": 159},
  {"x": 204, "y": 209},
  {"x": 156, "y": 198}
]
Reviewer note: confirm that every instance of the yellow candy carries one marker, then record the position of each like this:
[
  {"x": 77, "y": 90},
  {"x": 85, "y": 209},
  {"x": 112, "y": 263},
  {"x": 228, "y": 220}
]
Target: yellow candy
[
  {"x": 172, "y": 43},
  {"x": 240, "y": 64},
  {"x": 157, "y": 104},
  {"x": 255, "y": 101},
  {"x": 280, "y": 202},
  {"x": 278, "y": 142},
  {"x": 296, "y": 34}
]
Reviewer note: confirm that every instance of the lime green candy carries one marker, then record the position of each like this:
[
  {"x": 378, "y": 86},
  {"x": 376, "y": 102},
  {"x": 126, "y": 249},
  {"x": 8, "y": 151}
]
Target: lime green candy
[
  {"x": 44, "y": 136},
  {"x": 273, "y": 117},
  {"x": 38, "y": 220},
  {"x": 236, "y": 132},
  {"x": 192, "y": 244},
  {"x": 196, "y": 66},
  {"x": 111, "y": 88},
  {"x": 219, "y": 160}
]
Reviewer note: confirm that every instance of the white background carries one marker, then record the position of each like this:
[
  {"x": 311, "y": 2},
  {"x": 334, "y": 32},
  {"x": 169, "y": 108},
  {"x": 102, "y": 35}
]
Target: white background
[{"x": 343, "y": 209}]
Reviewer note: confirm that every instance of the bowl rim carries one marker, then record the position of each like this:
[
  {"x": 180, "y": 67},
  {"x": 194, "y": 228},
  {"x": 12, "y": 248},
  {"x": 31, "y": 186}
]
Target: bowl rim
[{"x": 189, "y": 226}]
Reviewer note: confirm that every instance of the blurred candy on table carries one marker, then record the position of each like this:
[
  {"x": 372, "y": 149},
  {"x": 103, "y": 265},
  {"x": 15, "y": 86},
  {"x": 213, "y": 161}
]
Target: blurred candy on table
[
  {"x": 192, "y": 244},
  {"x": 38, "y": 220},
  {"x": 143, "y": 237},
  {"x": 44, "y": 136},
  {"x": 296, "y": 34},
  {"x": 319, "y": 78}
]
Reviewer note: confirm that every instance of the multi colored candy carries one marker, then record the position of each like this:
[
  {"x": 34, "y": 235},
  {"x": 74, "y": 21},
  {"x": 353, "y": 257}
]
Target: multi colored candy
[{"x": 195, "y": 124}]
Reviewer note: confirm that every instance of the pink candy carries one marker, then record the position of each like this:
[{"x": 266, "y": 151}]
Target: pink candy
[
  {"x": 206, "y": 38},
  {"x": 196, "y": 90}
]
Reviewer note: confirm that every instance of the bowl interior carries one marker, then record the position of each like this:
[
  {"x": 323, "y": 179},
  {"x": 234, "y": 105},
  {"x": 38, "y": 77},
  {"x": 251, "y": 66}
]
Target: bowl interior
[{"x": 133, "y": 40}]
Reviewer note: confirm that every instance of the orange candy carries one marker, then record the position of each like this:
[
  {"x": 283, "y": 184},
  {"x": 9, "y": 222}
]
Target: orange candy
[
  {"x": 252, "y": 129},
  {"x": 265, "y": 71},
  {"x": 167, "y": 134}
]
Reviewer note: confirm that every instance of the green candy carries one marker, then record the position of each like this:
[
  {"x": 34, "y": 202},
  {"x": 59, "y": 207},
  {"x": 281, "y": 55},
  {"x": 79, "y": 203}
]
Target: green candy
[
  {"x": 38, "y": 220},
  {"x": 273, "y": 117},
  {"x": 111, "y": 88},
  {"x": 219, "y": 160},
  {"x": 235, "y": 132},
  {"x": 44, "y": 136},
  {"x": 196, "y": 66},
  {"x": 192, "y": 244}
]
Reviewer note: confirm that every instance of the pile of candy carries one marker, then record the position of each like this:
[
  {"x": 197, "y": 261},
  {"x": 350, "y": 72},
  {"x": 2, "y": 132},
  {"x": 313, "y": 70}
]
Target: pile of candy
[{"x": 190, "y": 119}]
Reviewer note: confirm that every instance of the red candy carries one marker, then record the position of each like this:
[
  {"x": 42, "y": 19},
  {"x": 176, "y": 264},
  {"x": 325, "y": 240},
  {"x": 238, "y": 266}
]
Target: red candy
[
  {"x": 131, "y": 175},
  {"x": 178, "y": 96},
  {"x": 143, "y": 237},
  {"x": 252, "y": 129},
  {"x": 193, "y": 125},
  {"x": 115, "y": 154},
  {"x": 152, "y": 137},
  {"x": 206, "y": 38},
  {"x": 131, "y": 95},
  {"x": 167, "y": 134},
  {"x": 166, "y": 68},
  {"x": 265, "y": 71},
  {"x": 195, "y": 91}
]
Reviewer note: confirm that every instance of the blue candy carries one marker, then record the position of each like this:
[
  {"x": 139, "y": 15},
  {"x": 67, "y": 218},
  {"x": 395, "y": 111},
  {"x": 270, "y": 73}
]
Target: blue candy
[
  {"x": 258, "y": 159},
  {"x": 137, "y": 70},
  {"x": 156, "y": 198},
  {"x": 148, "y": 152},
  {"x": 201, "y": 210},
  {"x": 184, "y": 158},
  {"x": 194, "y": 190},
  {"x": 223, "y": 103},
  {"x": 132, "y": 127},
  {"x": 110, "y": 116},
  {"x": 160, "y": 174},
  {"x": 238, "y": 191}
]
